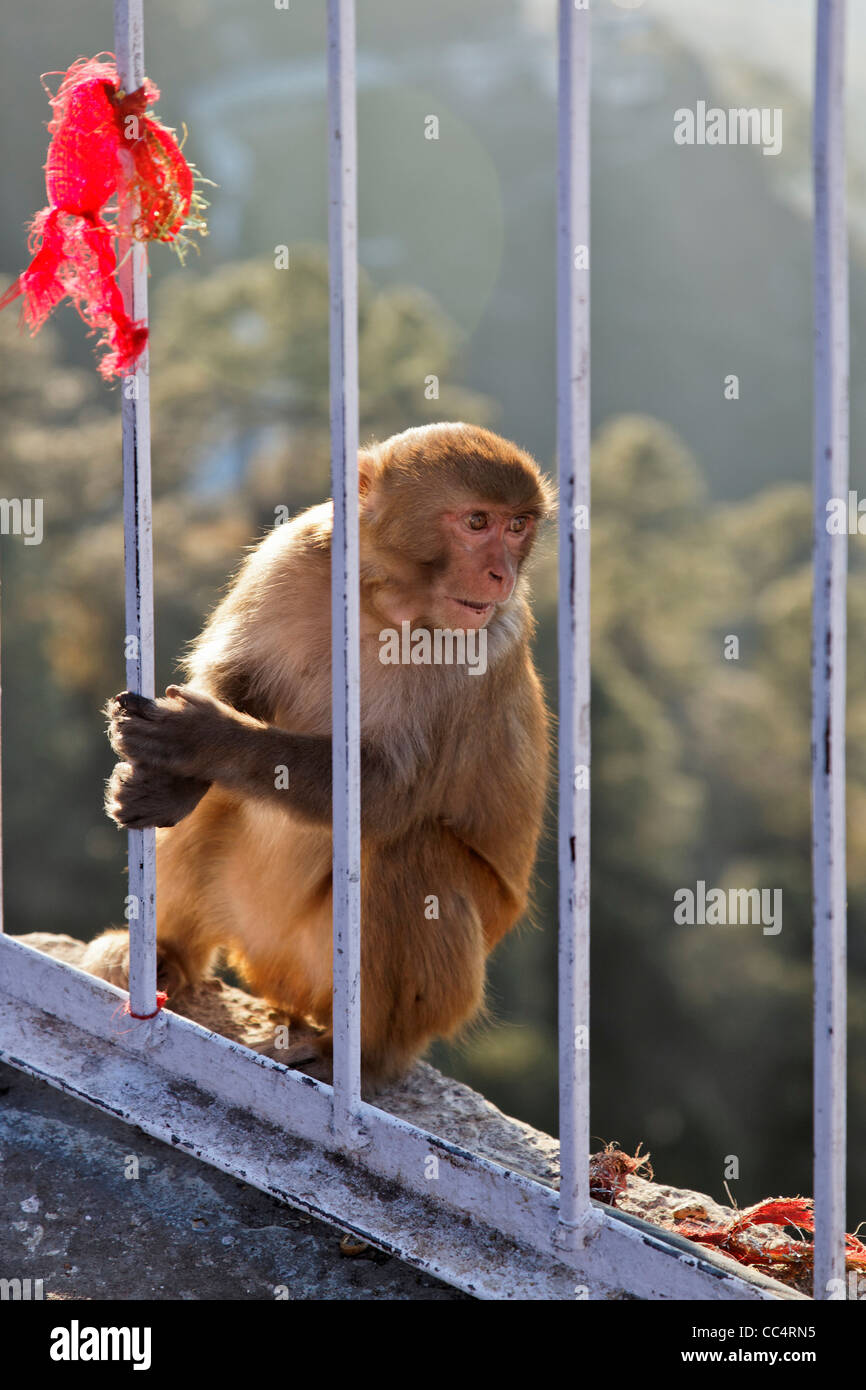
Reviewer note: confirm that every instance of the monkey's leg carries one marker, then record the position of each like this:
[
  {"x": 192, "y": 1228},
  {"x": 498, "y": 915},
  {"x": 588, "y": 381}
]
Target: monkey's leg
[
  {"x": 422, "y": 955},
  {"x": 189, "y": 930},
  {"x": 427, "y": 988},
  {"x": 107, "y": 957}
]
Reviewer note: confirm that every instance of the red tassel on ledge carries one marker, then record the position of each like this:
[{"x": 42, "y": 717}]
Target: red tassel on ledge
[{"x": 103, "y": 140}]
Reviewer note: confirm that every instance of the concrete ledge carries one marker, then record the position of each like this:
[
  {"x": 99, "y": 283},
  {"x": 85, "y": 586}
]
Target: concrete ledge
[{"x": 424, "y": 1098}]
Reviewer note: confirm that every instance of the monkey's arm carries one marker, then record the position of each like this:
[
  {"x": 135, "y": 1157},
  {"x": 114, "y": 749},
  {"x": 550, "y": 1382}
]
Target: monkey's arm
[{"x": 193, "y": 736}]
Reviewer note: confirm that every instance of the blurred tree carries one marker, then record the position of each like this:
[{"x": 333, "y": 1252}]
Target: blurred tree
[
  {"x": 239, "y": 396},
  {"x": 701, "y": 1035}
]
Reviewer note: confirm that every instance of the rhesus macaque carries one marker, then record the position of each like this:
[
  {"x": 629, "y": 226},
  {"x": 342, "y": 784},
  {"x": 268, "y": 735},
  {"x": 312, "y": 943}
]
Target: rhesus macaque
[{"x": 453, "y": 759}]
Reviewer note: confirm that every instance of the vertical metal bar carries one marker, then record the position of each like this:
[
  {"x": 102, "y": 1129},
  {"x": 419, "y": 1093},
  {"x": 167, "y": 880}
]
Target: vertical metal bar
[
  {"x": 132, "y": 277},
  {"x": 342, "y": 241},
  {"x": 829, "y": 635},
  {"x": 2, "y": 900},
  {"x": 573, "y": 432}
]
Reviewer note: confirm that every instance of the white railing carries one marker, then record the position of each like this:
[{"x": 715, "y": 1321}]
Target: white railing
[
  {"x": 829, "y": 638},
  {"x": 137, "y": 539},
  {"x": 345, "y": 657},
  {"x": 524, "y": 1239},
  {"x": 573, "y": 434}
]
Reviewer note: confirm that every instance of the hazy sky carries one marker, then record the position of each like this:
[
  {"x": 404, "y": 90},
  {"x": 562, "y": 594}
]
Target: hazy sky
[
  {"x": 773, "y": 39},
  {"x": 772, "y": 34}
]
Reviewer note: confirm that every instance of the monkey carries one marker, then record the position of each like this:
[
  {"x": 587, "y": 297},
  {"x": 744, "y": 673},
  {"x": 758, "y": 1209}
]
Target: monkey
[{"x": 234, "y": 766}]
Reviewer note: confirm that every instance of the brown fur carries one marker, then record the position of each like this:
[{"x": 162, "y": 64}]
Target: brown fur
[{"x": 454, "y": 765}]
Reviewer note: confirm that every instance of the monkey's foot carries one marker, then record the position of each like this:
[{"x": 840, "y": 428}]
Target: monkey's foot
[
  {"x": 107, "y": 957},
  {"x": 309, "y": 1052},
  {"x": 140, "y": 795}
]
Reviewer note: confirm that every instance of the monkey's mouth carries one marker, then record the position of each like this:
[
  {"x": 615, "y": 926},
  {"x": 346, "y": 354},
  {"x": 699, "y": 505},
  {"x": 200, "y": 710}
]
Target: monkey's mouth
[{"x": 474, "y": 607}]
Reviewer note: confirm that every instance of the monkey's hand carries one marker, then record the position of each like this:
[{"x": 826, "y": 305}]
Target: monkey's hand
[
  {"x": 139, "y": 795},
  {"x": 192, "y": 735},
  {"x": 187, "y": 733}
]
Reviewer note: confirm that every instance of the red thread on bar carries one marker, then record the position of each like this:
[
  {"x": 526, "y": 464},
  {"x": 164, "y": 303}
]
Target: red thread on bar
[{"x": 161, "y": 1001}]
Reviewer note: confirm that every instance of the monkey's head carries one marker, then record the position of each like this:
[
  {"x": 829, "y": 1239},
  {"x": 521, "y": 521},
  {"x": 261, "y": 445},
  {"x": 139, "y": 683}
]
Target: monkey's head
[{"x": 449, "y": 514}]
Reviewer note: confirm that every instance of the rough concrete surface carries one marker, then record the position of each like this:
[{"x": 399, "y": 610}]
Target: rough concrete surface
[
  {"x": 74, "y": 1214},
  {"x": 180, "y": 1230}
]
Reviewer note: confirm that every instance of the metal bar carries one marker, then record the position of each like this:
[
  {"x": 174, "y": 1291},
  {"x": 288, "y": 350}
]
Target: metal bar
[
  {"x": 345, "y": 660},
  {"x": 485, "y": 1228},
  {"x": 138, "y": 548},
  {"x": 829, "y": 636},
  {"x": 573, "y": 433},
  {"x": 2, "y": 898}
]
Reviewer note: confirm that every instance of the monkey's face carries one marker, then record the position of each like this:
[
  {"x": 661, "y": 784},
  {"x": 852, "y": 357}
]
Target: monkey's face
[
  {"x": 483, "y": 546},
  {"x": 449, "y": 513}
]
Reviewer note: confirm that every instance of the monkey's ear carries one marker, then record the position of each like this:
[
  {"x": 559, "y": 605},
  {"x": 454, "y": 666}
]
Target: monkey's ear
[{"x": 369, "y": 469}]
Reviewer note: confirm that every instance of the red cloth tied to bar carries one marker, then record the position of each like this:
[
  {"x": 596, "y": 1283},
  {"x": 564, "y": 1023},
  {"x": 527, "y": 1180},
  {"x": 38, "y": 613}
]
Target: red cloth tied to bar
[{"x": 102, "y": 141}]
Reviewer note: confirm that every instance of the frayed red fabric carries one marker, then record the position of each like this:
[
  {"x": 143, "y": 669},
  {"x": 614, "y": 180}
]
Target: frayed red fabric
[
  {"x": 102, "y": 140},
  {"x": 775, "y": 1255}
]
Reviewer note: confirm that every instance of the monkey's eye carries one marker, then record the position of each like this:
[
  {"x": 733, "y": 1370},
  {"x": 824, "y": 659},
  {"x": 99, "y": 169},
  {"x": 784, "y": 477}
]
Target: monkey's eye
[
  {"x": 518, "y": 524},
  {"x": 477, "y": 521}
]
